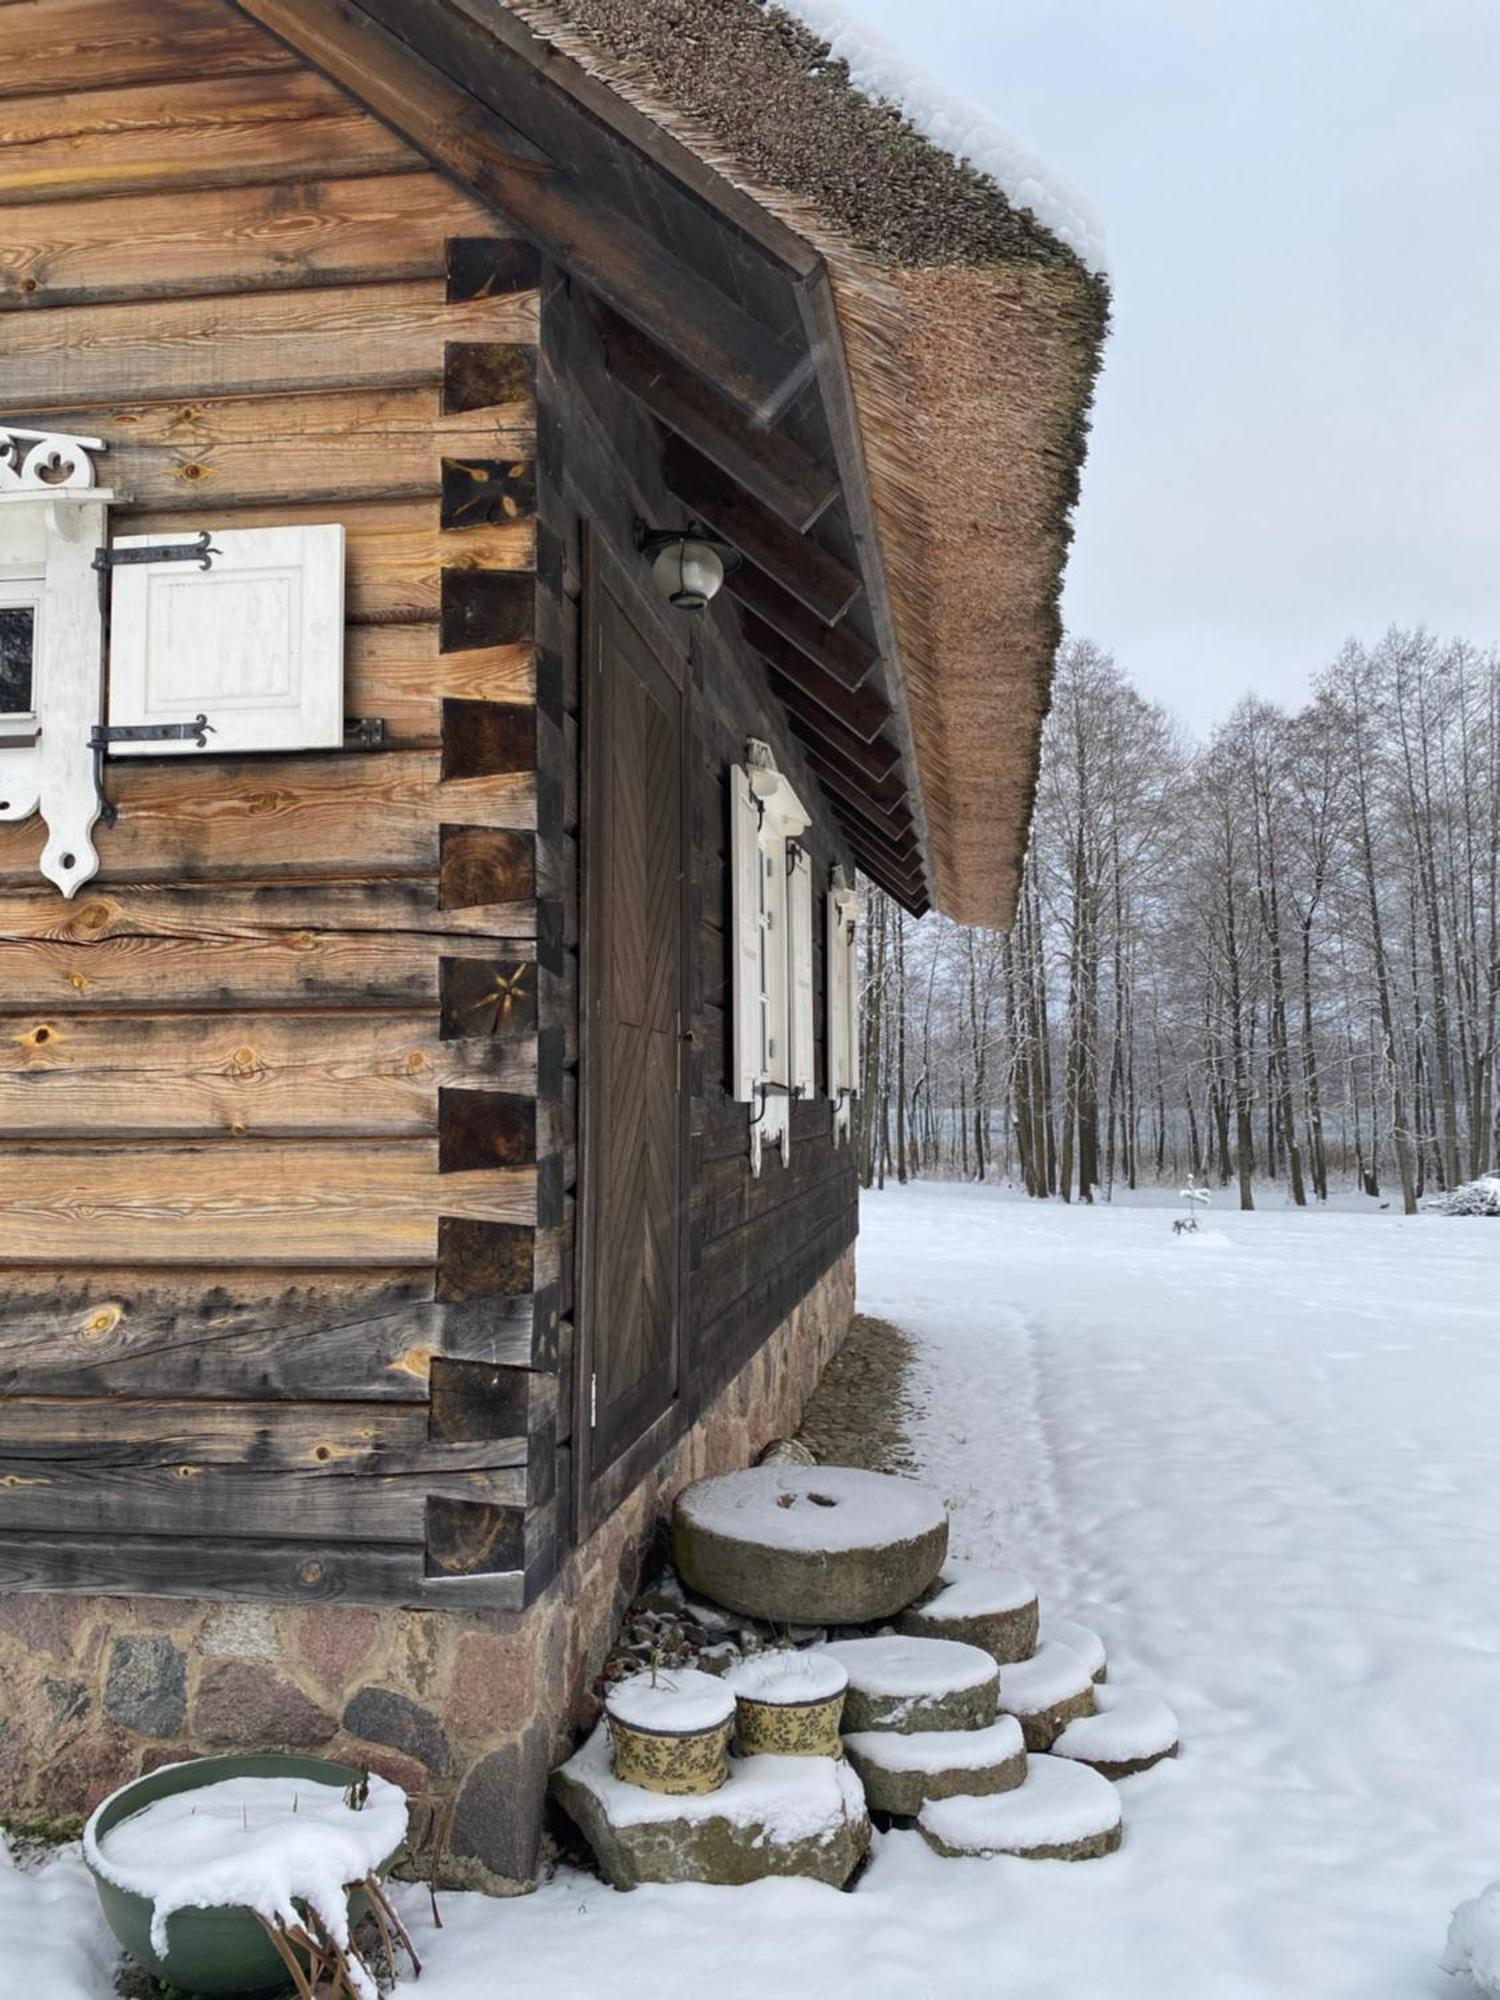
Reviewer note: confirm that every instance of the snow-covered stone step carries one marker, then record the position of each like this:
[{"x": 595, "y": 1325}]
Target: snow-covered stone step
[
  {"x": 897, "y": 1682},
  {"x": 774, "y": 1816},
  {"x": 1083, "y": 1641},
  {"x": 995, "y": 1609},
  {"x": 1047, "y": 1692},
  {"x": 901, "y": 1773},
  {"x": 1128, "y": 1732},
  {"x": 1063, "y": 1812}
]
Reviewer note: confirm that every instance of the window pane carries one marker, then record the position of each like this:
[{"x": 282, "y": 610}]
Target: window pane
[{"x": 17, "y": 633}]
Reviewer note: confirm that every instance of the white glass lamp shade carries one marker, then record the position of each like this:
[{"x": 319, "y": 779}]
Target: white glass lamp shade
[{"x": 688, "y": 573}]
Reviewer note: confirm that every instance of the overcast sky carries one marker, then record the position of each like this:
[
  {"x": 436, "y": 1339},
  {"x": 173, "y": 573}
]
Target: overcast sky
[{"x": 1297, "y": 433}]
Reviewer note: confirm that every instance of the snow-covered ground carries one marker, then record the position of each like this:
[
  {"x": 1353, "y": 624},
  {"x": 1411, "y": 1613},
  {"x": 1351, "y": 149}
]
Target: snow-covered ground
[{"x": 1262, "y": 1461}]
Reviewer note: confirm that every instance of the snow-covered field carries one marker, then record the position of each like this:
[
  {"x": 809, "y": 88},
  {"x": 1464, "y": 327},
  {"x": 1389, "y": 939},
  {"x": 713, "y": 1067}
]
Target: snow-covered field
[{"x": 1262, "y": 1461}]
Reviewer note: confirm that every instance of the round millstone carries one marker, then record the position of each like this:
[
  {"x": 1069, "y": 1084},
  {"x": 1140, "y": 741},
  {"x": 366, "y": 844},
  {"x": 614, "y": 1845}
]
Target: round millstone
[
  {"x": 911, "y": 1685},
  {"x": 901, "y": 1773},
  {"x": 775, "y": 1816},
  {"x": 1128, "y": 1733},
  {"x": 995, "y": 1609},
  {"x": 809, "y": 1545},
  {"x": 1063, "y": 1812},
  {"x": 1047, "y": 1692},
  {"x": 1083, "y": 1641}
]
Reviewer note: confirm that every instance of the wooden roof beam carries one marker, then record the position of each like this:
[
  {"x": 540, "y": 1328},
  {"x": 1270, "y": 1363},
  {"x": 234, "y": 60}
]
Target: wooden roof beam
[
  {"x": 892, "y": 816},
  {"x": 863, "y": 710},
  {"x": 692, "y": 320},
  {"x": 813, "y": 576},
  {"x": 770, "y": 466},
  {"x": 837, "y": 649},
  {"x": 875, "y": 760}
]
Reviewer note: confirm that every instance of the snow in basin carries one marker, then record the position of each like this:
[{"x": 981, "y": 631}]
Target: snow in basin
[
  {"x": 894, "y": 1665},
  {"x": 1474, "y": 1942},
  {"x": 787, "y": 1677},
  {"x": 790, "y": 1798},
  {"x": 814, "y": 1507},
  {"x": 260, "y": 1843},
  {"x": 1054, "y": 1673},
  {"x": 1057, "y": 1803},
  {"x": 1129, "y": 1723},
  {"x": 939, "y": 1749},
  {"x": 1079, "y": 1639},
  {"x": 967, "y": 1590},
  {"x": 881, "y": 71},
  {"x": 679, "y": 1700}
]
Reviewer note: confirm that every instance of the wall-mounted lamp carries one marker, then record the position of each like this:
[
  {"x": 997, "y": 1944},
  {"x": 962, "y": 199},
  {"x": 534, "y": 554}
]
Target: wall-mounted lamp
[{"x": 688, "y": 565}]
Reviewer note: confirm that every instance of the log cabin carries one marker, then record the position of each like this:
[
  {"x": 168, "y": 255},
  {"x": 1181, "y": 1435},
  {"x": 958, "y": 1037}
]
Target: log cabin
[{"x": 507, "y": 510}]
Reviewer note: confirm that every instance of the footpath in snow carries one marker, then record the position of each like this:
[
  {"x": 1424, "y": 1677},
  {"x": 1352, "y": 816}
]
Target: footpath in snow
[{"x": 1261, "y": 1462}]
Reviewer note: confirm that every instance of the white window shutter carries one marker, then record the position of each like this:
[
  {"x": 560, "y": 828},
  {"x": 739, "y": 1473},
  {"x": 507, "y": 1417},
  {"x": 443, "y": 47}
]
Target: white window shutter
[
  {"x": 748, "y": 997},
  {"x": 255, "y": 642},
  {"x": 839, "y": 1054},
  {"x": 800, "y": 971}
]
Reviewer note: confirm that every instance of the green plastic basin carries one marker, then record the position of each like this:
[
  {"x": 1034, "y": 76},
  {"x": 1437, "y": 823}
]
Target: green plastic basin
[{"x": 208, "y": 1951}]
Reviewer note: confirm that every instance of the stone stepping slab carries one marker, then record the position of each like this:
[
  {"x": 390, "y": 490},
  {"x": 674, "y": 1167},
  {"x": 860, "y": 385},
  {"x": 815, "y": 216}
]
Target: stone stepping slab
[
  {"x": 995, "y": 1609},
  {"x": 775, "y": 1816},
  {"x": 1129, "y": 1732},
  {"x": 906, "y": 1684},
  {"x": 1047, "y": 1692},
  {"x": 809, "y": 1544},
  {"x": 1082, "y": 1640},
  {"x": 1063, "y": 1812},
  {"x": 901, "y": 1773}
]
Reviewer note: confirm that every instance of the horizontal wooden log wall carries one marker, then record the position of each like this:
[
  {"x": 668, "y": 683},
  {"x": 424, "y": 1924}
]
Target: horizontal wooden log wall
[{"x": 283, "y": 1089}]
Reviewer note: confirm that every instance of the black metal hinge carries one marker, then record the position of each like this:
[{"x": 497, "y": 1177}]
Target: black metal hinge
[
  {"x": 103, "y": 734},
  {"x": 200, "y": 551}
]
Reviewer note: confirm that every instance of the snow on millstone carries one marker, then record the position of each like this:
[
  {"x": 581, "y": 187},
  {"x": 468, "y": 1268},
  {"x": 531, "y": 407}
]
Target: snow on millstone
[
  {"x": 995, "y": 1609},
  {"x": 897, "y": 1682},
  {"x": 1063, "y": 1812},
  {"x": 1083, "y": 1641},
  {"x": 901, "y": 1772},
  {"x": 774, "y": 1816},
  {"x": 264, "y": 1844},
  {"x": 809, "y": 1545},
  {"x": 1129, "y": 1732},
  {"x": 1047, "y": 1692}
]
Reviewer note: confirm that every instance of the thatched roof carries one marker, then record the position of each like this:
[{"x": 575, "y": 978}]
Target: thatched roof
[{"x": 973, "y": 337}]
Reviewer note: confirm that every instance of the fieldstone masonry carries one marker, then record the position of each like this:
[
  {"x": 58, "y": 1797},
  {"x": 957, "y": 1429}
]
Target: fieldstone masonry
[{"x": 466, "y": 1711}]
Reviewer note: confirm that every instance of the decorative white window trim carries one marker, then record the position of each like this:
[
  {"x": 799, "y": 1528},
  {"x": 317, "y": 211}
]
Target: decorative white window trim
[
  {"x": 767, "y": 818},
  {"x": 53, "y": 516},
  {"x": 843, "y": 1002}
]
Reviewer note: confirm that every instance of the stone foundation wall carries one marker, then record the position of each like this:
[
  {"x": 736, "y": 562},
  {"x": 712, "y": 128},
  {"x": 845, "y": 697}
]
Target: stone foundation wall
[{"x": 467, "y": 1711}]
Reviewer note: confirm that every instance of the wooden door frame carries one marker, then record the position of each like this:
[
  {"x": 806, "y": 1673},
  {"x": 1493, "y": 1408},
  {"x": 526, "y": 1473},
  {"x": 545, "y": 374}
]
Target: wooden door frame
[{"x": 596, "y": 1497}]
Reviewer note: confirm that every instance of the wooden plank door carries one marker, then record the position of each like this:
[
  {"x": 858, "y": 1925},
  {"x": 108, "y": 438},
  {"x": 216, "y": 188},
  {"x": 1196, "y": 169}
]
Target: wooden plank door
[{"x": 633, "y": 1226}]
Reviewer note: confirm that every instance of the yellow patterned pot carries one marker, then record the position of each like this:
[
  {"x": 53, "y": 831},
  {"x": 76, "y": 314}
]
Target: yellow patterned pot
[
  {"x": 670, "y": 1731},
  {"x": 790, "y": 1704}
]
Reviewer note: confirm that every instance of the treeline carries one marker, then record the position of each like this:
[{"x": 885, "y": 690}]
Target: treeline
[{"x": 1272, "y": 956}]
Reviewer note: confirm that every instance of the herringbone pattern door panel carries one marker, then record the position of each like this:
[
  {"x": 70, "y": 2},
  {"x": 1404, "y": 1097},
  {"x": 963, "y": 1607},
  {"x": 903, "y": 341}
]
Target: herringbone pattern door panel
[{"x": 637, "y": 971}]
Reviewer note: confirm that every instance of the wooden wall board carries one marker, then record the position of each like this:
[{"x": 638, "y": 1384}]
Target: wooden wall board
[
  {"x": 239, "y": 1075},
  {"x": 162, "y": 245},
  {"x": 350, "y": 814},
  {"x": 247, "y": 1201},
  {"x": 292, "y": 342},
  {"x": 225, "y": 1332},
  {"x": 60, "y": 45},
  {"x": 185, "y": 134}
]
